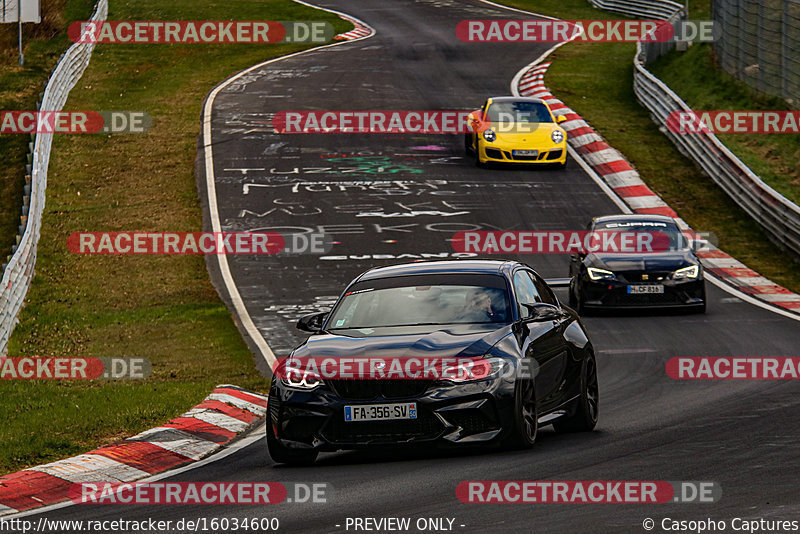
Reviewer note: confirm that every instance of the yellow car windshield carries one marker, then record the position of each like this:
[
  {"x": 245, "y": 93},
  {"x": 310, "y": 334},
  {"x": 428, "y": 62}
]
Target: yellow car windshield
[{"x": 518, "y": 112}]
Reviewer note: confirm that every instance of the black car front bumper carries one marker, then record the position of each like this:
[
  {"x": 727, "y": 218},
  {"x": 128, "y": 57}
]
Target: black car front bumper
[
  {"x": 447, "y": 414},
  {"x": 616, "y": 294}
]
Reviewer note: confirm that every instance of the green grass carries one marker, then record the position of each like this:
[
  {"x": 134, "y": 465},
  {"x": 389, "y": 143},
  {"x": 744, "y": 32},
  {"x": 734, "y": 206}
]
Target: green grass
[
  {"x": 695, "y": 77},
  {"x": 596, "y": 80},
  {"x": 159, "y": 307},
  {"x": 19, "y": 90}
]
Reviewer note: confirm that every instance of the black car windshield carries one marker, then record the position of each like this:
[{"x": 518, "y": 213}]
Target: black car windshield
[
  {"x": 677, "y": 240},
  {"x": 518, "y": 112},
  {"x": 422, "y": 300}
]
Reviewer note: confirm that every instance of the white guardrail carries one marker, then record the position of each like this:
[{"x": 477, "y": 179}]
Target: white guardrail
[
  {"x": 647, "y": 9},
  {"x": 777, "y": 215},
  {"x": 18, "y": 273}
]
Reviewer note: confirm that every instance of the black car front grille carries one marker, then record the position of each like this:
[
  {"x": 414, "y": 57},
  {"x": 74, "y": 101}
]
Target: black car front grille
[
  {"x": 426, "y": 426},
  {"x": 471, "y": 421},
  {"x": 651, "y": 298},
  {"x": 537, "y": 157},
  {"x": 373, "y": 389},
  {"x": 645, "y": 277},
  {"x": 300, "y": 428}
]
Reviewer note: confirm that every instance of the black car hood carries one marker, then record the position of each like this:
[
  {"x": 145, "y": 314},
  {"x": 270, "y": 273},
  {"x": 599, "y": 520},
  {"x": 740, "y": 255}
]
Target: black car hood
[
  {"x": 445, "y": 343},
  {"x": 664, "y": 261}
]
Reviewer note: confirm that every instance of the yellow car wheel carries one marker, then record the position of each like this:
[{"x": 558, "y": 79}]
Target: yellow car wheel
[{"x": 478, "y": 161}]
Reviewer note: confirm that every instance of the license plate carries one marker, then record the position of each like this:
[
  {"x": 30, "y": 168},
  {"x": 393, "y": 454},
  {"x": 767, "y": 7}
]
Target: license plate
[
  {"x": 645, "y": 289},
  {"x": 380, "y": 412},
  {"x": 525, "y": 152}
]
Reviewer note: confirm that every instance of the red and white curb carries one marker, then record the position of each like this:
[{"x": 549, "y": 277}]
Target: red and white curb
[
  {"x": 223, "y": 415},
  {"x": 623, "y": 179},
  {"x": 360, "y": 30}
]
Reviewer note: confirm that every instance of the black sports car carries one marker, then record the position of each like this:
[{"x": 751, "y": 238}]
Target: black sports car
[
  {"x": 669, "y": 276},
  {"x": 540, "y": 363}
]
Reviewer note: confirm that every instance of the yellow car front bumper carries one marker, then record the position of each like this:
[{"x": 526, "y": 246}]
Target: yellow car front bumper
[{"x": 504, "y": 153}]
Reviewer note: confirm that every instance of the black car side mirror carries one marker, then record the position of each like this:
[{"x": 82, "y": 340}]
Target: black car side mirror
[
  {"x": 312, "y": 322},
  {"x": 541, "y": 311}
]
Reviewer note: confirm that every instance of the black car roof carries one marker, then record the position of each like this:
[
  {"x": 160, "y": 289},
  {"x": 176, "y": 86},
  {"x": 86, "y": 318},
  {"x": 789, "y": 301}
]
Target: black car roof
[{"x": 441, "y": 267}]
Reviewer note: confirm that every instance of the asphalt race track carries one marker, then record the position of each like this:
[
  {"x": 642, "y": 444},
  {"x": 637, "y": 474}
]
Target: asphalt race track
[{"x": 395, "y": 195}]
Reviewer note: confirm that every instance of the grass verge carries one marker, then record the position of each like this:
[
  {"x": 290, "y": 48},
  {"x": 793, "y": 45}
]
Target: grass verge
[
  {"x": 698, "y": 81},
  {"x": 19, "y": 90},
  {"x": 596, "y": 80},
  {"x": 159, "y": 307}
]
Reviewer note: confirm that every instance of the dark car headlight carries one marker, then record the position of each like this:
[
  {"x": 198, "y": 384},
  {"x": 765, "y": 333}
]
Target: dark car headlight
[
  {"x": 489, "y": 135},
  {"x": 557, "y": 136},
  {"x": 600, "y": 274},
  {"x": 686, "y": 273},
  {"x": 479, "y": 369},
  {"x": 305, "y": 381}
]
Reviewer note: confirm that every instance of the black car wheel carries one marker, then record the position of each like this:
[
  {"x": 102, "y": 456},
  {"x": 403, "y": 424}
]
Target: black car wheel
[
  {"x": 284, "y": 455},
  {"x": 526, "y": 418},
  {"x": 585, "y": 418}
]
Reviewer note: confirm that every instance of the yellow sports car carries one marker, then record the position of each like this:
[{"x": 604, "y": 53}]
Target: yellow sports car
[{"x": 513, "y": 129}]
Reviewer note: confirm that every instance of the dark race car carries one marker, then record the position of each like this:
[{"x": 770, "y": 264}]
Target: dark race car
[
  {"x": 540, "y": 365},
  {"x": 669, "y": 276}
]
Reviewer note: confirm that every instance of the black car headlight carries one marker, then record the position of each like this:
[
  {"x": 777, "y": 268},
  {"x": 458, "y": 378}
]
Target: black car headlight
[
  {"x": 475, "y": 370},
  {"x": 600, "y": 274},
  {"x": 301, "y": 380},
  {"x": 557, "y": 136},
  {"x": 687, "y": 273},
  {"x": 489, "y": 135}
]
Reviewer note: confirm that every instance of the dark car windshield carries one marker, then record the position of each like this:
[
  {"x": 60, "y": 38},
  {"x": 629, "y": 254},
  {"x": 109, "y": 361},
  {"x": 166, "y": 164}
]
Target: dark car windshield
[
  {"x": 677, "y": 240},
  {"x": 421, "y": 300},
  {"x": 518, "y": 112}
]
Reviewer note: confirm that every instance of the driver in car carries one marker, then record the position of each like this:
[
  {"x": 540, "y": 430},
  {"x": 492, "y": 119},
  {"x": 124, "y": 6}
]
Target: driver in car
[{"x": 479, "y": 309}]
